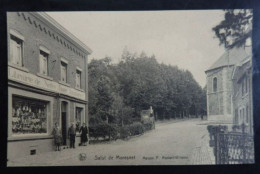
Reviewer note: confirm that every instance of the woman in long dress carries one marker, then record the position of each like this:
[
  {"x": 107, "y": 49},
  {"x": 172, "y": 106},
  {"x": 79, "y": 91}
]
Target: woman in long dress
[
  {"x": 84, "y": 134},
  {"x": 57, "y": 136}
]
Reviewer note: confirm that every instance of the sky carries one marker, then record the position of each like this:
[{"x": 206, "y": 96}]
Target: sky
[{"x": 182, "y": 38}]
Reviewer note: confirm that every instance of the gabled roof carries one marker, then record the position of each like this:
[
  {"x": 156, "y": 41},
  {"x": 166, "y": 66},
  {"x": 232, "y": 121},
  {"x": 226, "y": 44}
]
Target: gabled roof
[
  {"x": 240, "y": 68},
  {"x": 230, "y": 57}
]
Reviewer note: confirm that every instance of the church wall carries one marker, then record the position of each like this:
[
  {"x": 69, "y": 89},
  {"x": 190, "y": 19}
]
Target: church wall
[{"x": 219, "y": 102}]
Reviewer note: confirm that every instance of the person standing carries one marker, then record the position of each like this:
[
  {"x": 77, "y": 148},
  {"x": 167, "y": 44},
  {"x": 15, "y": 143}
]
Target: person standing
[
  {"x": 56, "y": 132},
  {"x": 84, "y": 134},
  {"x": 72, "y": 135}
]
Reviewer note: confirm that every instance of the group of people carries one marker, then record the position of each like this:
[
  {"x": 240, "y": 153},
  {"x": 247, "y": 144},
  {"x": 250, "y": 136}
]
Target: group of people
[{"x": 71, "y": 135}]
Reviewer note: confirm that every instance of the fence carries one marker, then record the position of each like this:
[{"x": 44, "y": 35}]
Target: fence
[{"x": 235, "y": 147}]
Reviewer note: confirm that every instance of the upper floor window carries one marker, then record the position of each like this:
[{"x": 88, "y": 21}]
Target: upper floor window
[
  {"x": 44, "y": 54},
  {"x": 215, "y": 84},
  {"x": 244, "y": 86},
  {"x": 243, "y": 115},
  {"x": 78, "y": 78},
  {"x": 64, "y": 72},
  {"x": 16, "y": 48},
  {"x": 247, "y": 114}
]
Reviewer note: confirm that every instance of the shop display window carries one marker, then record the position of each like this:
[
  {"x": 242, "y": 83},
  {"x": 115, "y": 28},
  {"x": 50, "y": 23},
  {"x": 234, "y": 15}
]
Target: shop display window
[{"x": 29, "y": 116}]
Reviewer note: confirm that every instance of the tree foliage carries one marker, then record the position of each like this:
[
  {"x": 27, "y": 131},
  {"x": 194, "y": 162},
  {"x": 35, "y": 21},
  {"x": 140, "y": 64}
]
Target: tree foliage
[
  {"x": 235, "y": 28},
  {"x": 118, "y": 92}
]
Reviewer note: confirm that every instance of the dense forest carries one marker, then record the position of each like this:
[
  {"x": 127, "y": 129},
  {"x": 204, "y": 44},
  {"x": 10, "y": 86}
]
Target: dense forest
[{"x": 118, "y": 92}]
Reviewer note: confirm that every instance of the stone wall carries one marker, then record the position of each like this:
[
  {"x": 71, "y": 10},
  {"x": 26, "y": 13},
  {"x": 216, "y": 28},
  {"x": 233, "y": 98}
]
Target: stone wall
[{"x": 219, "y": 102}]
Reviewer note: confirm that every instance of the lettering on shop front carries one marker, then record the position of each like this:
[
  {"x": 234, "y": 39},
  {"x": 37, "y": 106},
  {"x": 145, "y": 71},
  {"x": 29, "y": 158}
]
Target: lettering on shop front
[{"x": 42, "y": 83}]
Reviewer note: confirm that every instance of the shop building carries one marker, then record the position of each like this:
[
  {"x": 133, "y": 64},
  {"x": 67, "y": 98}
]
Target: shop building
[{"x": 47, "y": 82}]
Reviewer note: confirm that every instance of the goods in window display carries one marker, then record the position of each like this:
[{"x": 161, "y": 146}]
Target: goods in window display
[{"x": 29, "y": 116}]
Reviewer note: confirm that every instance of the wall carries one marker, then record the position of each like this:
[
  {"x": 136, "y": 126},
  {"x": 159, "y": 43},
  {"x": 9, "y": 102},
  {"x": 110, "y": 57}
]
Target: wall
[
  {"x": 219, "y": 102},
  {"x": 242, "y": 101},
  {"x": 36, "y": 36}
]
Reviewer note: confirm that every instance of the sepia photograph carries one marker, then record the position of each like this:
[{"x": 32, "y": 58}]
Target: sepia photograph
[{"x": 112, "y": 88}]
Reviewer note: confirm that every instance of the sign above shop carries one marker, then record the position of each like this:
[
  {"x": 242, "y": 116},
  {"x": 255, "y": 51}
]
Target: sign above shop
[{"x": 42, "y": 83}]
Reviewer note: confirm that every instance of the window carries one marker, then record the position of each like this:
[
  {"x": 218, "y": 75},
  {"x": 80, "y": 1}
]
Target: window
[
  {"x": 243, "y": 87},
  {"x": 246, "y": 82},
  {"x": 44, "y": 62},
  {"x": 78, "y": 79},
  {"x": 247, "y": 114},
  {"x": 215, "y": 84},
  {"x": 16, "y": 50},
  {"x": 236, "y": 116},
  {"x": 29, "y": 116},
  {"x": 78, "y": 118},
  {"x": 243, "y": 115},
  {"x": 64, "y": 72}
]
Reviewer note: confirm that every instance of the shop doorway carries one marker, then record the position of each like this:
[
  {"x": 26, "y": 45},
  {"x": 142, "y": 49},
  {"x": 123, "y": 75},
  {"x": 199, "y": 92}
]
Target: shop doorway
[{"x": 64, "y": 122}]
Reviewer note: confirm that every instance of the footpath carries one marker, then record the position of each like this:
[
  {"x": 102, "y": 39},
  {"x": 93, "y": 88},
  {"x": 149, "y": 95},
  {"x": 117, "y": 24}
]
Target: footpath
[{"x": 203, "y": 154}]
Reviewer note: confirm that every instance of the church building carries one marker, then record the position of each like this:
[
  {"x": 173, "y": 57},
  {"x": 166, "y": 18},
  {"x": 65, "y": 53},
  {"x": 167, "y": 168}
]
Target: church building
[{"x": 219, "y": 85}]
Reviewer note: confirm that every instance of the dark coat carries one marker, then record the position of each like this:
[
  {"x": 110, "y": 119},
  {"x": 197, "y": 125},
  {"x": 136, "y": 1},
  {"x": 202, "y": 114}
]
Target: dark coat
[
  {"x": 72, "y": 131},
  {"x": 56, "y": 132},
  {"x": 84, "y": 132}
]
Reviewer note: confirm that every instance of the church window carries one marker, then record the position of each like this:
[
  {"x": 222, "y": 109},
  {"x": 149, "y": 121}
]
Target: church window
[{"x": 215, "y": 84}]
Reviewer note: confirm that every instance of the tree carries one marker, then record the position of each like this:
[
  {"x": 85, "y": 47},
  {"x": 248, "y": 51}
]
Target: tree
[
  {"x": 118, "y": 92},
  {"x": 104, "y": 98},
  {"x": 235, "y": 28}
]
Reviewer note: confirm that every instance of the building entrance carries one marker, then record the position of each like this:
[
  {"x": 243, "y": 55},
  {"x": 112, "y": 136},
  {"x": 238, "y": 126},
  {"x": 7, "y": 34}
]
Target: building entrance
[{"x": 64, "y": 122}]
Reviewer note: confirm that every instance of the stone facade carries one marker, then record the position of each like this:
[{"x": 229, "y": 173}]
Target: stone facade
[
  {"x": 219, "y": 101},
  {"x": 39, "y": 32}
]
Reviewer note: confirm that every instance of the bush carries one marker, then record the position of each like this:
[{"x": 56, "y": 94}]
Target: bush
[
  {"x": 124, "y": 132},
  {"x": 136, "y": 129},
  {"x": 113, "y": 131},
  {"x": 103, "y": 130}
]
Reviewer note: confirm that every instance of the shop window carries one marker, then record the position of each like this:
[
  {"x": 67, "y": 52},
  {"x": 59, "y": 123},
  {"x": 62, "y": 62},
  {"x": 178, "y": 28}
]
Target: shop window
[
  {"x": 44, "y": 62},
  {"x": 64, "y": 72},
  {"x": 78, "y": 79},
  {"x": 16, "y": 51},
  {"x": 29, "y": 116},
  {"x": 215, "y": 84},
  {"x": 78, "y": 118}
]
